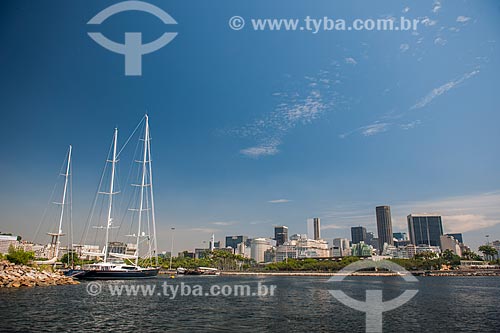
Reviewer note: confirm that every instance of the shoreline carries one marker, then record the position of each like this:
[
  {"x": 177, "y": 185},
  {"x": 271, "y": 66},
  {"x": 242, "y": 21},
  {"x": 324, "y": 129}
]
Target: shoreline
[
  {"x": 16, "y": 276},
  {"x": 382, "y": 274}
]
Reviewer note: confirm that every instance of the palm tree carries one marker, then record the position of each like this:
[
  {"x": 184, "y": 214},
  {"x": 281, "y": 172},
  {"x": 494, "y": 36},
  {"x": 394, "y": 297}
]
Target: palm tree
[{"x": 488, "y": 251}]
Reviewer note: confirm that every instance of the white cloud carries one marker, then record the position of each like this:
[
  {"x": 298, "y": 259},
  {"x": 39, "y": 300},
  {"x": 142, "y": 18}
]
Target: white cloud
[
  {"x": 436, "y": 7},
  {"x": 428, "y": 22},
  {"x": 436, "y": 92},
  {"x": 204, "y": 230},
  {"x": 374, "y": 129},
  {"x": 404, "y": 47},
  {"x": 261, "y": 150},
  {"x": 368, "y": 130},
  {"x": 410, "y": 125},
  {"x": 332, "y": 226},
  {"x": 461, "y": 213},
  {"x": 223, "y": 223},
  {"x": 277, "y": 201},
  {"x": 406, "y": 10},
  {"x": 350, "y": 61},
  {"x": 463, "y": 19},
  {"x": 292, "y": 109},
  {"x": 468, "y": 222},
  {"x": 440, "y": 41}
]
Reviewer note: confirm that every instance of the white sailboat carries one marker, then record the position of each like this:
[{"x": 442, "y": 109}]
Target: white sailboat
[{"x": 115, "y": 265}]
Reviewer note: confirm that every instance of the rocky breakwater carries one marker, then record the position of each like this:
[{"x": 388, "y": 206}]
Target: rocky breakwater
[{"x": 15, "y": 276}]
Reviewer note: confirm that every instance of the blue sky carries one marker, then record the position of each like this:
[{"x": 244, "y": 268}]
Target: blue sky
[{"x": 253, "y": 129}]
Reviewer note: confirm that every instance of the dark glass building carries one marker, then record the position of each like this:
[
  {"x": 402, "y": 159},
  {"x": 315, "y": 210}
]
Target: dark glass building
[
  {"x": 314, "y": 228},
  {"x": 425, "y": 229},
  {"x": 458, "y": 237},
  {"x": 280, "y": 235},
  {"x": 384, "y": 226},
  {"x": 358, "y": 234},
  {"x": 233, "y": 241}
]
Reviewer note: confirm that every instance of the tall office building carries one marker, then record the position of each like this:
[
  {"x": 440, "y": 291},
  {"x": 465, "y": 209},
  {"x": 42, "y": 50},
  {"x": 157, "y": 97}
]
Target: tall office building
[
  {"x": 340, "y": 247},
  {"x": 384, "y": 226},
  {"x": 425, "y": 229},
  {"x": 358, "y": 234},
  {"x": 458, "y": 237},
  {"x": 400, "y": 236},
  {"x": 281, "y": 235},
  {"x": 313, "y": 228},
  {"x": 233, "y": 241},
  {"x": 372, "y": 240}
]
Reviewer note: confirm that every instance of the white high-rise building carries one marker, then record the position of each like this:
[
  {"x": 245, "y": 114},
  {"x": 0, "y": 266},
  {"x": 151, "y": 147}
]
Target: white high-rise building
[
  {"x": 340, "y": 247},
  {"x": 258, "y": 247},
  {"x": 450, "y": 243}
]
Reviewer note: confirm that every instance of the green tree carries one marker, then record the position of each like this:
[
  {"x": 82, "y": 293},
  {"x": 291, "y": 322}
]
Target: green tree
[
  {"x": 488, "y": 251},
  {"x": 469, "y": 255},
  {"x": 426, "y": 255},
  {"x": 71, "y": 258},
  {"x": 19, "y": 256}
]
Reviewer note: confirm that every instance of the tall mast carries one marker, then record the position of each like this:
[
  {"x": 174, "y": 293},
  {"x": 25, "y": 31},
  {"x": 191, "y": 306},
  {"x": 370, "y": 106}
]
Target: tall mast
[
  {"x": 111, "y": 192},
  {"x": 143, "y": 184},
  {"x": 66, "y": 177},
  {"x": 151, "y": 193}
]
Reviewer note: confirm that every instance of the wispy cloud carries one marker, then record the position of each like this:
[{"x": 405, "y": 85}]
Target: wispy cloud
[
  {"x": 436, "y": 7},
  {"x": 224, "y": 223},
  {"x": 410, "y": 125},
  {"x": 440, "y": 41},
  {"x": 393, "y": 119},
  {"x": 463, "y": 19},
  {"x": 266, "y": 149},
  {"x": 350, "y": 61},
  {"x": 436, "y": 92},
  {"x": 278, "y": 201},
  {"x": 460, "y": 213},
  {"x": 426, "y": 21},
  {"x": 369, "y": 130},
  {"x": 374, "y": 129},
  {"x": 300, "y": 106},
  {"x": 332, "y": 226},
  {"x": 204, "y": 230},
  {"x": 404, "y": 47}
]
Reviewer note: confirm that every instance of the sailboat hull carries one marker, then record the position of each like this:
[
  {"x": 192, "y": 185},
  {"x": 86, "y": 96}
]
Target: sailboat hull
[{"x": 111, "y": 274}]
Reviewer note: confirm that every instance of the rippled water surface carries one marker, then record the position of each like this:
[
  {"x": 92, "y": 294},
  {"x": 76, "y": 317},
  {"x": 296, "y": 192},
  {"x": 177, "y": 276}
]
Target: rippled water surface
[{"x": 301, "y": 304}]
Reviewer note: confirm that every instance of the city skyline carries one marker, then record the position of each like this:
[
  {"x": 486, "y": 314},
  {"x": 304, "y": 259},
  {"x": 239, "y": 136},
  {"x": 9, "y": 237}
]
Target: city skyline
[{"x": 254, "y": 129}]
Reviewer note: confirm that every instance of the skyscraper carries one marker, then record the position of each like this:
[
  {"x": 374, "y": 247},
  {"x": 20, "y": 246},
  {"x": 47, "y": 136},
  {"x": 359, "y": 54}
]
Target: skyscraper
[
  {"x": 458, "y": 237},
  {"x": 313, "y": 228},
  {"x": 281, "y": 235},
  {"x": 358, "y": 234},
  {"x": 384, "y": 226},
  {"x": 425, "y": 229},
  {"x": 233, "y": 241}
]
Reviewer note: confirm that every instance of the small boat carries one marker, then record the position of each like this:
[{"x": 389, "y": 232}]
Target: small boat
[{"x": 198, "y": 271}]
